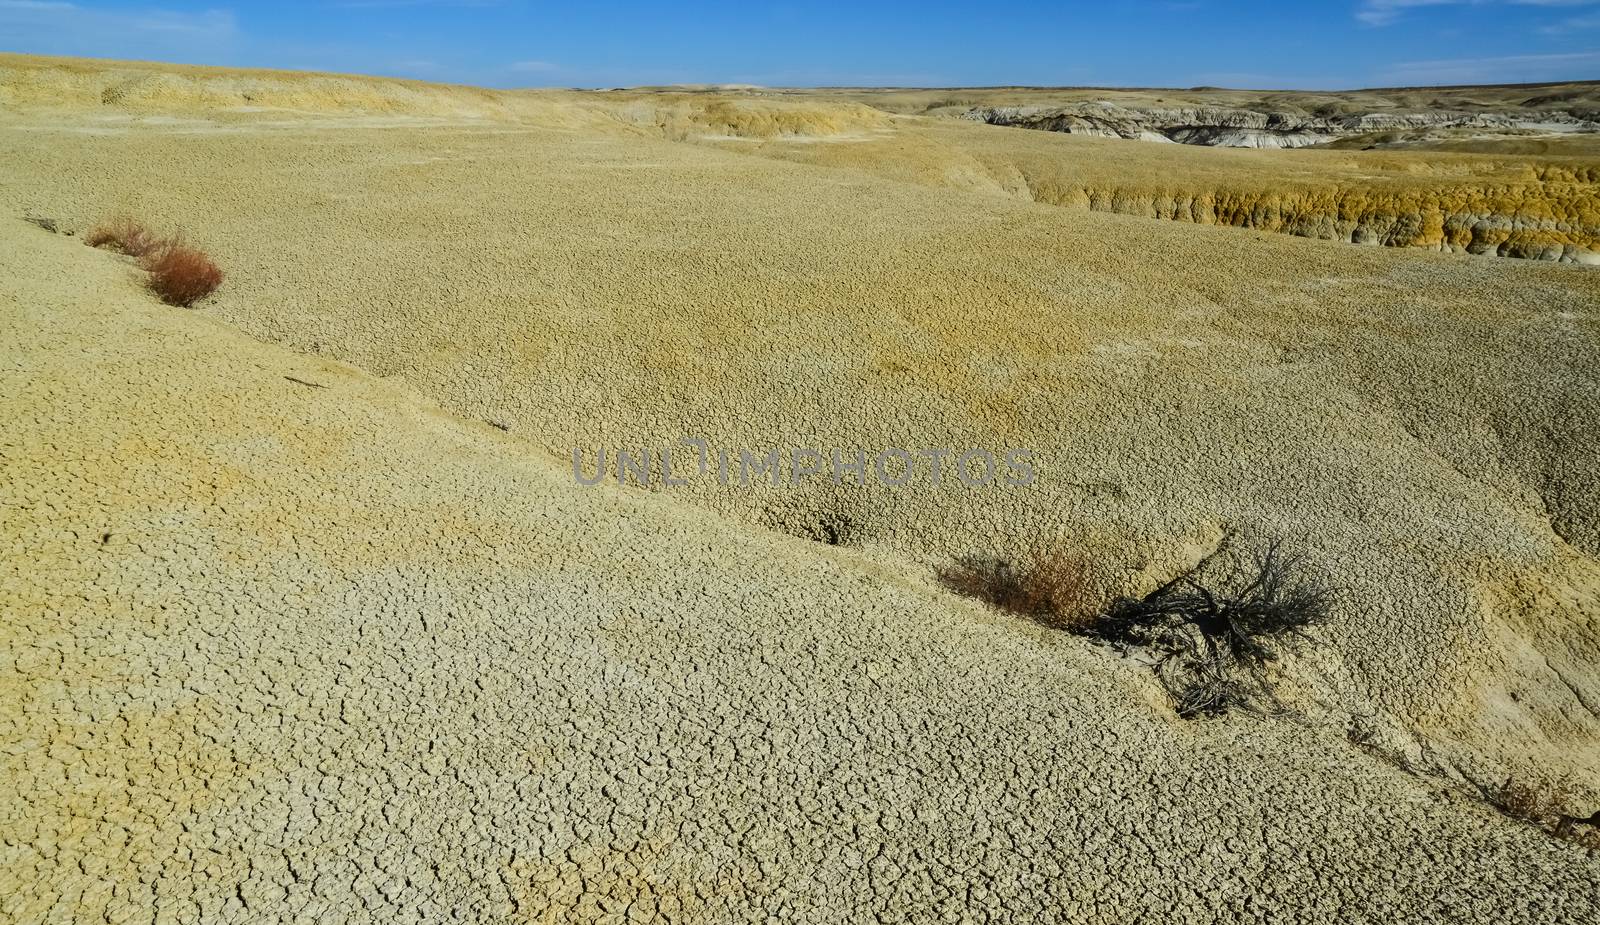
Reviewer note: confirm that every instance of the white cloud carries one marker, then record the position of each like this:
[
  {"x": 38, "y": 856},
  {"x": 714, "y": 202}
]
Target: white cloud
[
  {"x": 1510, "y": 69},
  {"x": 416, "y": 67},
  {"x": 1384, "y": 12},
  {"x": 1250, "y": 80},
  {"x": 392, "y": 4},
  {"x": 1572, "y": 24},
  {"x": 59, "y": 28}
]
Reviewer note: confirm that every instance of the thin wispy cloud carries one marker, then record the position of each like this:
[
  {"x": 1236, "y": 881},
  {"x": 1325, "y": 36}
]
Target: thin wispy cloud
[
  {"x": 377, "y": 4},
  {"x": 404, "y": 4},
  {"x": 417, "y": 67},
  {"x": 1572, "y": 24},
  {"x": 1386, "y": 12},
  {"x": 43, "y": 25},
  {"x": 1508, "y": 69},
  {"x": 1251, "y": 80}
]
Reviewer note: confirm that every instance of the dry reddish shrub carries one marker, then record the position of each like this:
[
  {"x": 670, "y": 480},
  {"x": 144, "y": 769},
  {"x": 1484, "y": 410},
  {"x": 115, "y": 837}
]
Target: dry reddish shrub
[
  {"x": 126, "y": 235},
  {"x": 181, "y": 275},
  {"x": 1050, "y": 587}
]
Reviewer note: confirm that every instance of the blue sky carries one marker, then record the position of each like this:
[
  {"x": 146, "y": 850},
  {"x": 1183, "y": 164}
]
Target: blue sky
[{"x": 1181, "y": 43}]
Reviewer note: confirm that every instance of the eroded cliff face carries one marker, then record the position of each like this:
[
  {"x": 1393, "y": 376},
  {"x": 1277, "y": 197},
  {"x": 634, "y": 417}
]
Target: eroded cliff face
[
  {"x": 1251, "y": 128},
  {"x": 1555, "y": 222}
]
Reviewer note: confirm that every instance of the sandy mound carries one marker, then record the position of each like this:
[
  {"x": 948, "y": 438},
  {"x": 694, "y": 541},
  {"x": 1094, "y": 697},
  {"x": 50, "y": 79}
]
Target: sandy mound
[{"x": 33, "y": 82}]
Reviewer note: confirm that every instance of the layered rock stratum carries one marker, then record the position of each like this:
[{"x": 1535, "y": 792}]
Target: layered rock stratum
[
  {"x": 1251, "y": 128},
  {"x": 293, "y": 632},
  {"x": 1485, "y": 118}
]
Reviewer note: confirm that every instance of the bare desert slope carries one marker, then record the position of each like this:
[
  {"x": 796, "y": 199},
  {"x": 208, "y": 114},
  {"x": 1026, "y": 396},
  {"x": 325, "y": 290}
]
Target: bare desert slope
[{"x": 291, "y": 631}]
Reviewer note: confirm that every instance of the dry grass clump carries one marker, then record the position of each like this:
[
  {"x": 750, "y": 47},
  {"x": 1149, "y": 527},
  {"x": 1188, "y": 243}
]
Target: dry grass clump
[
  {"x": 1050, "y": 587},
  {"x": 124, "y": 235},
  {"x": 180, "y": 274},
  {"x": 1535, "y": 803}
]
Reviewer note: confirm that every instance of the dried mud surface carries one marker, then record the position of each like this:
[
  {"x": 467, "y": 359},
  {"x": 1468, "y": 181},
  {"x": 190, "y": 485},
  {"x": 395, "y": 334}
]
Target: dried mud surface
[{"x": 344, "y": 651}]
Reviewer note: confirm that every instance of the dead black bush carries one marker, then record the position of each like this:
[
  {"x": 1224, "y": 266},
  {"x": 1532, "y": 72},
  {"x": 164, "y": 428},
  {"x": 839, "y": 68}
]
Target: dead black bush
[{"x": 1215, "y": 642}]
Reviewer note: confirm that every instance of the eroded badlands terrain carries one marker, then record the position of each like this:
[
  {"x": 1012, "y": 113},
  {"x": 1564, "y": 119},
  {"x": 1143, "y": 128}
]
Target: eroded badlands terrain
[
  {"x": 1487, "y": 118},
  {"x": 307, "y": 619}
]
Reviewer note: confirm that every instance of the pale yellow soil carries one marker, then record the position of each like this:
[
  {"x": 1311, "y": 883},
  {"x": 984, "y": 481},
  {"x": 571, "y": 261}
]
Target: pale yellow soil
[{"x": 274, "y": 648}]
